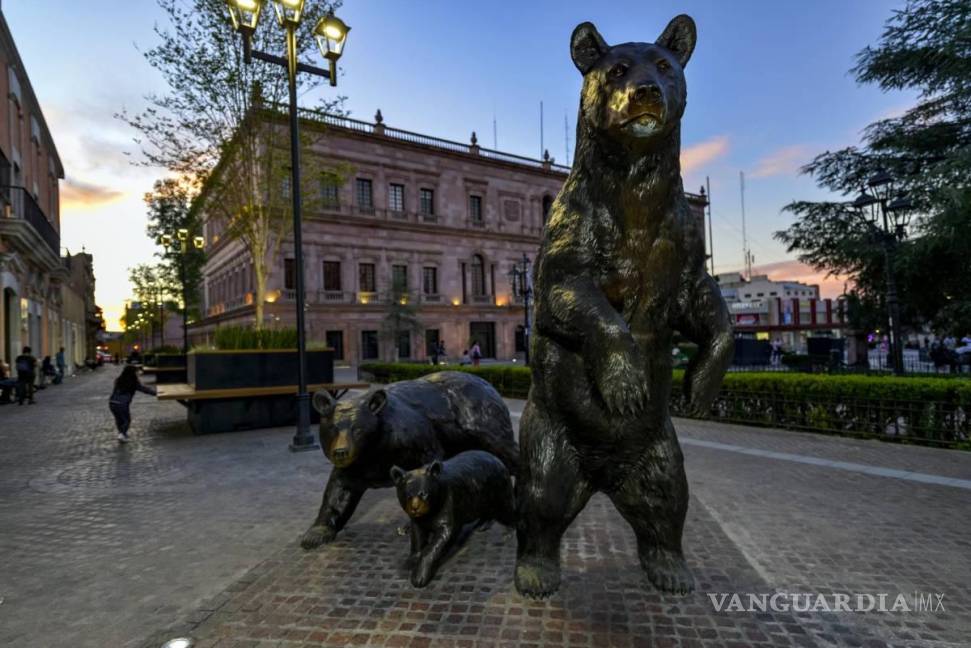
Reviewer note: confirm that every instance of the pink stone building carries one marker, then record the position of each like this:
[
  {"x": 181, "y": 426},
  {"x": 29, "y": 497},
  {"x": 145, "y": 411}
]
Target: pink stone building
[{"x": 438, "y": 224}]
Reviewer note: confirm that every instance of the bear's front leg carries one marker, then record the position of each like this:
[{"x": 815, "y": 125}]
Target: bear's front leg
[
  {"x": 618, "y": 370},
  {"x": 424, "y": 569},
  {"x": 419, "y": 538},
  {"x": 340, "y": 499}
]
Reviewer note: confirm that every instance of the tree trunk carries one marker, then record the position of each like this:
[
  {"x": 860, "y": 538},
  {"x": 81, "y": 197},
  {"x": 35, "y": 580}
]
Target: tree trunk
[{"x": 259, "y": 296}]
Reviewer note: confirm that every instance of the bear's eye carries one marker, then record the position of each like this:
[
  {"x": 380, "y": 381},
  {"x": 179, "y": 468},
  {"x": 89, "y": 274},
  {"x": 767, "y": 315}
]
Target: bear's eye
[
  {"x": 618, "y": 71},
  {"x": 663, "y": 65}
]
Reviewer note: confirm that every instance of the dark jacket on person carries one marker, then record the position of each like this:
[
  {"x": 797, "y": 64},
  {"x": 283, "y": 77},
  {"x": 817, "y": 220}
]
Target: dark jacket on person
[
  {"x": 26, "y": 365},
  {"x": 124, "y": 398}
]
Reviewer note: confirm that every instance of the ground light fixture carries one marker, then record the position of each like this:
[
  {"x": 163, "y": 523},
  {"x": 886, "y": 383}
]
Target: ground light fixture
[
  {"x": 245, "y": 16},
  {"x": 179, "y": 642}
]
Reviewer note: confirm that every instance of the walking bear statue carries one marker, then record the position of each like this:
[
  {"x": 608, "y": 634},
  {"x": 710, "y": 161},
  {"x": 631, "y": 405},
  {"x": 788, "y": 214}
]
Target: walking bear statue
[
  {"x": 443, "y": 497},
  {"x": 408, "y": 424},
  {"x": 621, "y": 268}
]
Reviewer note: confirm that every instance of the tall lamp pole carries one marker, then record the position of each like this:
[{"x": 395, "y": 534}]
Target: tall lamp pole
[
  {"x": 331, "y": 34},
  {"x": 198, "y": 242},
  {"x": 522, "y": 286},
  {"x": 887, "y": 214}
]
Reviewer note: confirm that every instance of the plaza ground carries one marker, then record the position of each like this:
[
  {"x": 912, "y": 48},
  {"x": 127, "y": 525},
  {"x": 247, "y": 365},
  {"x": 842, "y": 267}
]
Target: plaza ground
[{"x": 112, "y": 545}]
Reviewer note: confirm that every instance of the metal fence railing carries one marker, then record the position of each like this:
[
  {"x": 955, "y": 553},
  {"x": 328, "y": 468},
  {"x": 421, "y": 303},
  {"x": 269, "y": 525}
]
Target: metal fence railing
[{"x": 940, "y": 423}]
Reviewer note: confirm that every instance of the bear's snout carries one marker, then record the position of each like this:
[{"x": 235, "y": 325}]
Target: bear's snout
[{"x": 645, "y": 95}]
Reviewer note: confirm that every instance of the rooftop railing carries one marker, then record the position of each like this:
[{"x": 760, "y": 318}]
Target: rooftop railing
[{"x": 410, "y": 137}]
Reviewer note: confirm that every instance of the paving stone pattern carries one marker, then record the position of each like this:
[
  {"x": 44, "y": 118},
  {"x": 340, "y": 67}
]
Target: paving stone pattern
[{"x": 173, "y": 535}]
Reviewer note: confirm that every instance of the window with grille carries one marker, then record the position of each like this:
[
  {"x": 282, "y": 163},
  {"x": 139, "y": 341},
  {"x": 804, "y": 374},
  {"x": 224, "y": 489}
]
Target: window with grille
[
  {"x": 396, "y": 197},
  {"x": 332, "y": 275},
  {"x": 369, "y": 345},
  {"x": 478, "y": 276},
  {"x": 426, "y": 199},
  {"x": 399, "y": 277},
  {"x": 365, "y": 277},
  {"x": 289, "y": 274},
  {"x": 475, "y": 209},
  {"x": 364, "y": 192},
  {"x": 429, "y": 281},
  {"x": 329, "y": 192}
]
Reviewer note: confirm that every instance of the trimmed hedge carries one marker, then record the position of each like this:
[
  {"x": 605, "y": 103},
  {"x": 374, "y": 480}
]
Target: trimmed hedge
[{"x": 935, "y": 411}]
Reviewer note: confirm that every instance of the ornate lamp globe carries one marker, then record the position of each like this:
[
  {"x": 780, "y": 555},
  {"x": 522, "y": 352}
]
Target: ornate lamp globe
[
  {"x": 331, "y": 35},
  {"x": 245, "y": 14},
  {"x": 288, "y": 11}
]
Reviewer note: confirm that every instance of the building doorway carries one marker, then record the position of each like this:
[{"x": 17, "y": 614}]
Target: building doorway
[
  {"x": 431, "y": 341},
  {"x": 335, "y": 340},
  {"x": 369, "y": 345},
  {"x": 10, "y": 324},
  {"x": 485, "y": 334}
]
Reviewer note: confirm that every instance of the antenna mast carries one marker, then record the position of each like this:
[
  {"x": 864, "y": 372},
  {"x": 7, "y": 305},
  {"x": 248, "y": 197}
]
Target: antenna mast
[{"x": 746, "y": 252}]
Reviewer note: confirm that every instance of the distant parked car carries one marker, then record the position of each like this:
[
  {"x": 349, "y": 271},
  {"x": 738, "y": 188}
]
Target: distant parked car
[{"x": 103, "y": 356}]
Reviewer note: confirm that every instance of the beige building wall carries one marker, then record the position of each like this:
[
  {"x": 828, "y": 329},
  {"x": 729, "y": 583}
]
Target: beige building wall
[{"x": 470, "y": 257}]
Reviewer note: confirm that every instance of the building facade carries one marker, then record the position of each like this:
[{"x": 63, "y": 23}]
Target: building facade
[
  {"x": 428, "y": 223},
  {"x": 31, "y": 271},
  {"x": 788, "y": 311},
  {"x": 81, "y": 320}
]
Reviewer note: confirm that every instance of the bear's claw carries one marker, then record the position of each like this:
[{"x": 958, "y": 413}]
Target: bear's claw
[
  {"x": 537, "y": 580},
  {"x": 317, "y": 535},
  {"x": 668, "y": 571}
]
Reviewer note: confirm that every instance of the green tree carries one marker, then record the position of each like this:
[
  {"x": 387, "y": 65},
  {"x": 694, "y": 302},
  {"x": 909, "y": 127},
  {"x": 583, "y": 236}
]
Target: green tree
[
  {"x": 169, "y": 210},
  {"x": 926, "y": 46},
  {"x": 400, "y": 317},
  {"x": 219, "y": 127},
  {"x": 156, "y": 291}
]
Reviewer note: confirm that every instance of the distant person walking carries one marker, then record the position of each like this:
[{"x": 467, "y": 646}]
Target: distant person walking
[
  {"x": 26, "y": 365},
  {"x": 126, "y": 385},
  {"x": 46, "y": 371},
  {"x": 476, "y": 353},
  {"x": 61, "y": 365},
  {"x": 465, "y": 359}
]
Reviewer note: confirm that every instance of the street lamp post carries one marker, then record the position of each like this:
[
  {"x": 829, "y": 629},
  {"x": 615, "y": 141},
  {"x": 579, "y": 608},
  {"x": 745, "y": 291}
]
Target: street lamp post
[
  {"x": 331, "y": 34},
  {"x": 198, "y": 242},
  {"x": 887, "y": 213},
  {"x": 522, "y": 286}
]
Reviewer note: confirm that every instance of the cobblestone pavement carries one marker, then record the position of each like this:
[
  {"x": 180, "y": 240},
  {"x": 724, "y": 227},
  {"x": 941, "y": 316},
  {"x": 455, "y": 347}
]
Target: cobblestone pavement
[{"x": 104, "y": 545}]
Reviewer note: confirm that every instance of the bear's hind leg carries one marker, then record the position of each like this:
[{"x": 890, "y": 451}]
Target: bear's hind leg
[
  {"x": 550, "y": 493},
  {"x": 654, "y": 501}
]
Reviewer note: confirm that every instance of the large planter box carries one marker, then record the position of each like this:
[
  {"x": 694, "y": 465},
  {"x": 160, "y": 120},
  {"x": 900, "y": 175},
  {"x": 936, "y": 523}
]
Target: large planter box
[
  {"x": 241, "y": 369},
  {"x": 270, "y": 368},
  {"x": 167, "y": 360}
]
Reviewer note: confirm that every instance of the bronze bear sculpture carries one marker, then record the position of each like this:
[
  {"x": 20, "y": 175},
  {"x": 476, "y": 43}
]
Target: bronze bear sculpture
[
  {"x": 621, "y": 267},
  {"x": 443, "y": 497},
  {"x": 408, "y": 424}
]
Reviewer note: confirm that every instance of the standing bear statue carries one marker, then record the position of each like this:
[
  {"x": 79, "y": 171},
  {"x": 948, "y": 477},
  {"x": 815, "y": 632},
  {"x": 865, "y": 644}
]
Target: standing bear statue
[
  {"x": 621, "y": 267},
  {"x": 409, "y": 424}
]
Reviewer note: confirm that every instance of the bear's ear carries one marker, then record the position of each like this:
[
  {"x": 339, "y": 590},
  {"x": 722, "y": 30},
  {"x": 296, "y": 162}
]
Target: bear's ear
[
  {"x": 397, "y": 474},
  {"x": 324, "y": 403},
  {"x": 679, "y": 37},
  {"x": 586, "y": 46},
  {"x": 377, "y": 401},
  {"x": 435, "y": 469}
]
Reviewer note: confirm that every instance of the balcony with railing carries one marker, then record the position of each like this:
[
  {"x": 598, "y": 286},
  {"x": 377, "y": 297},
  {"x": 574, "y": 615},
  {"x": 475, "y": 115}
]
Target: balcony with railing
[{"x": 18, "y": 204}]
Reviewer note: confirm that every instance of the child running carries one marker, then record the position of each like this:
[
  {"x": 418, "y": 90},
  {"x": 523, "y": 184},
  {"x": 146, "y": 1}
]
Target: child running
[{"x": 120, "y": 404}]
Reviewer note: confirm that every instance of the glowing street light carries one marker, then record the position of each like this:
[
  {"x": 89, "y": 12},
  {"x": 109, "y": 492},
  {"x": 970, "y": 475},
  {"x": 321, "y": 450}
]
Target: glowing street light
[{"x": 331, "y": 35}]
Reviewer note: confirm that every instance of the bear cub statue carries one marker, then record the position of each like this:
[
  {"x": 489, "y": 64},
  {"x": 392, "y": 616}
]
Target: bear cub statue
[
  {"x": 444, "y": 496},
  {"x": 409, "y": 424},
  {"x": 620, "y": 269}
]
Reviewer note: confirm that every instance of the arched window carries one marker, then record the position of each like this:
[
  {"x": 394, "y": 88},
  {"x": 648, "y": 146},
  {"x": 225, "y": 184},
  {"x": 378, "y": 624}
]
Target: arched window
[
  {"x": 478, "y": 276},
  {"x": 547, "y": 205}
]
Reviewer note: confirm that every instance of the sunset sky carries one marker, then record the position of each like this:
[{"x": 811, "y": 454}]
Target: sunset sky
[{"x": 768, "y": 83}]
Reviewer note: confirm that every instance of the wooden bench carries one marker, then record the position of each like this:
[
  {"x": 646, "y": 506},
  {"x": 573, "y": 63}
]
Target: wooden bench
[{"x": 244, "y": 408}]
